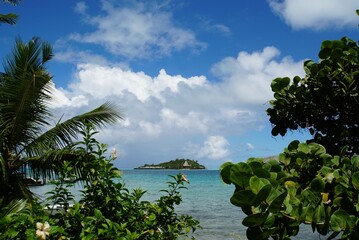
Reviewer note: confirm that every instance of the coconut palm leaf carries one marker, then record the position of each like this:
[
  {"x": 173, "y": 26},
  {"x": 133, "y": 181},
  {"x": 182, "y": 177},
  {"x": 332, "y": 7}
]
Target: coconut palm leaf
[
  {"x": 25, "y": 91},
  {"x": 25, "y": 88},
  {"x": 9, "y": 18},
  {"x": 63, "y": 133},
  {"x": 13, "y": 207}
]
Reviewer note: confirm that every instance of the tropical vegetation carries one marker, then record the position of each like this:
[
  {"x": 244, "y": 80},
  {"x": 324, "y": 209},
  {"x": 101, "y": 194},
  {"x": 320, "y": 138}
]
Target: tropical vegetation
[
  {"x": 31, "y": 146},
  {"x": 106, "y": 209},
  {"x": 314, "y": 182},
  {"x": 325, "y": 101},
  {"x": 175, "y": 164},
  {"x": 27, "y": 140}
]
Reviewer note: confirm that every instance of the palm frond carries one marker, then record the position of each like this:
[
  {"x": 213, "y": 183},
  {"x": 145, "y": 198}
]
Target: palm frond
[
  {"x": 13, "y": 207},
  {"x": 48, "y": 165},
  {"x": 25, "y": 88},
  {"x": 10, "y": 18},
  {"x": 63, "y": 133}
]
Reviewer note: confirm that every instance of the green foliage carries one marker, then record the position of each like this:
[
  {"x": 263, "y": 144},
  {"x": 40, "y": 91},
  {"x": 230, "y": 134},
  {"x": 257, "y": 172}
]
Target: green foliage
[
  {"x": 325, "y": 101},
  {"x": 175, "y": 164},
  {"x": 306, "y": 186},
  {"x": 9, "y": 18},
  {"x": 106, "y": 210},
  {"x": 25, "y": 89}
]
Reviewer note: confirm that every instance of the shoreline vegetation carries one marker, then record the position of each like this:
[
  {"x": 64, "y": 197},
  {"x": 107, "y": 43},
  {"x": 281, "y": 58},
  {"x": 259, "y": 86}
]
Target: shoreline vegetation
[{"x": 174, "y": 164}]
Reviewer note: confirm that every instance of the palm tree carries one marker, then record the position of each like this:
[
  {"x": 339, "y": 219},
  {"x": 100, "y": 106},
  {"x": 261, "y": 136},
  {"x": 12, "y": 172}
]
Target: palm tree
[
  {"x": 10, "y": 18},
  {"x": 27, "y": 141}
]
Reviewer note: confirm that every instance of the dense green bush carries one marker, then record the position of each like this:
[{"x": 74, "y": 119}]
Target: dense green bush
[
  {"x": 306, "y": 186},
  {"x": 106, "y": 210},
  {"x": 325, "y": 102}
]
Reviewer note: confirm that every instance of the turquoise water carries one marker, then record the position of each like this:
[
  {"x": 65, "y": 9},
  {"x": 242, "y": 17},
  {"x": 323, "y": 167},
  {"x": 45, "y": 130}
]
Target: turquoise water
[{"x": 206, "y": 199}]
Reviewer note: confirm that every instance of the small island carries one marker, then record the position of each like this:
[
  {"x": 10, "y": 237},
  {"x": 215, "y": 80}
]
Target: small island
[{"x": 175, "y": 164}]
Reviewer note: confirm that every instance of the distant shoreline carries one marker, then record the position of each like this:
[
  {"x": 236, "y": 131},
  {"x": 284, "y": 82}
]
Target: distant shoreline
[
  {"x": 178, "y": 164},
  {"x": 162, "y": 168}
]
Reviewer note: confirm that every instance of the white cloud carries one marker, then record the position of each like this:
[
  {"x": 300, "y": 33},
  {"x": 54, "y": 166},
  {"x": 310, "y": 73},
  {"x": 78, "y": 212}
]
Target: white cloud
[
  {"x": 59, "y": 99},
  {"x": 250, "y": 74},
  {"x": 318, "y": 14},
  {"x": 137, "y": 32},
  {"x": 165, "y": 111},
  {"x": 192, "y": 122},
  {"x": 101, "y": 81},
  {"x": 215, "y": 147},
  {"x": 250, "y": 146},
  {"x": 81, "y": 7},
  {"x": 215, "y": 27}
]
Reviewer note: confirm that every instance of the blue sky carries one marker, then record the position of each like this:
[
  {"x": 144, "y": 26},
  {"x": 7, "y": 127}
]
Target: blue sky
[{"x": 192, "y": 78}]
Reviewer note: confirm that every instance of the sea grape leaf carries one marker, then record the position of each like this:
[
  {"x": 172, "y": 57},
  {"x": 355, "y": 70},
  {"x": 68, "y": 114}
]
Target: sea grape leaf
[
  {"x": 256, "y": 183},
  {"x": 340, "y": 220},
  {"x": 225, "y": 171},
  {"x": 240, "y": 174},
  {"x": 317, "y": 185},
  {"x": 277, "y": 203},
  {"x": 262, "y": 173},
  {"x": 279, "y": 83},
  {"x": 303, "y": 147},
  {"x": 255, "y": 219},
  {"x": 243, "y": 198},
  {"x": 262, "y": 195}
]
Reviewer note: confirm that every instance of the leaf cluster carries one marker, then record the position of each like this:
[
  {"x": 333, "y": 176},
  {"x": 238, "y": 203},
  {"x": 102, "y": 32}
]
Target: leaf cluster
[
  {"x": 106, "y": 210},
  {"x": 325, "y": 101},
  {"x": 306, "y": 186}
]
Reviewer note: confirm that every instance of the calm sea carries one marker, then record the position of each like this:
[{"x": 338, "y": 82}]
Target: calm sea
[{"x": 206, "y": 199}]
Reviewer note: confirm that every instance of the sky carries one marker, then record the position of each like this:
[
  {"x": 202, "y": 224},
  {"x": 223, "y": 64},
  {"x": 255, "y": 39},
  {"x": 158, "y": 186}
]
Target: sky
[{"x": 191, "y": 78}]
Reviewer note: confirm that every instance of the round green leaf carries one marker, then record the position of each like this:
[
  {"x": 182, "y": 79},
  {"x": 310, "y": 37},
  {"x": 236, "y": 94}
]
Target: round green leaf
[
  {"x": 225, "y": 172},
  {"x": 262, "y": 173},
  {"x": 277, "y": 203},
  {"x": 262, "y": 195},
  {"x": 255, "y": 219},
  {"x": 317, "y": 185},
  {"x": 303, "y": 147},
  {"x": 283, "y": 159},
  {"x": 340, "y": 220},
  {"x": 240, "y": 174},
  {"x": 280, "y": 83},
  {"x": 243, "y": 198}
]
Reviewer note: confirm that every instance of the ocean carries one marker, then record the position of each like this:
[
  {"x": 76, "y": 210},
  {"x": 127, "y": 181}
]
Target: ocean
[{"x": 206, "y": 199}]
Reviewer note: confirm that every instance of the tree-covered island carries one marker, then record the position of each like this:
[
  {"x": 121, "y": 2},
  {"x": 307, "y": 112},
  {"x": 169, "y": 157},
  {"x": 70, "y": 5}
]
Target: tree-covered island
[{"x": 174, "y": 164}]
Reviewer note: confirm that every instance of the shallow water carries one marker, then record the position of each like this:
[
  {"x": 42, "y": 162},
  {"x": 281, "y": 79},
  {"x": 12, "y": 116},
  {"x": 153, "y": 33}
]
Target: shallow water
[{"x": 206, "y": 199}]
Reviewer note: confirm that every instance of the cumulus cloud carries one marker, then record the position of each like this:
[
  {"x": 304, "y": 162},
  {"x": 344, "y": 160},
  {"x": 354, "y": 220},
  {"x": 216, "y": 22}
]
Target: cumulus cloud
[
  {"x": 171, "y": 109},
  {"x": 101, "y": 81},
  {"x": 136, "y": 32},
  {"x": 215, "y": 147},
  {"x": 249, "y": 75},
  {"x": 319, "y": 14}
]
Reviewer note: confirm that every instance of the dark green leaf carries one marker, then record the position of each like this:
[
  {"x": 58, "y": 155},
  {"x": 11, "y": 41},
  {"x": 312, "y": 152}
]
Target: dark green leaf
[
  {"x": 340, "y": 221},
  {"x": 255, "y": 219},
  {"x": 243, "y": 198},
  {"x": 355, "y": 180},
  {"x": 277, "y": 203},
  {"x": 279, "y": 83},
  {"x": 317, "y": 185},
  {"x": 225, "y": 172}
]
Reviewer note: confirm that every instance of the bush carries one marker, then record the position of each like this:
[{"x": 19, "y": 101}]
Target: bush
[
  {"x": 106, "y": 210},
  {"x": 306, "y": 186}
]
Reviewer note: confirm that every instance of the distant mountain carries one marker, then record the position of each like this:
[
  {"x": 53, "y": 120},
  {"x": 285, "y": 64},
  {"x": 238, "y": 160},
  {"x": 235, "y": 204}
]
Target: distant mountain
[{"x": 174, "y": 164}]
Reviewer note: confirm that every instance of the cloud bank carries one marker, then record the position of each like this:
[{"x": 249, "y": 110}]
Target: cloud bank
[
  {"x": 318, "y": 14},
  {"x": 173, "y": 109}
]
